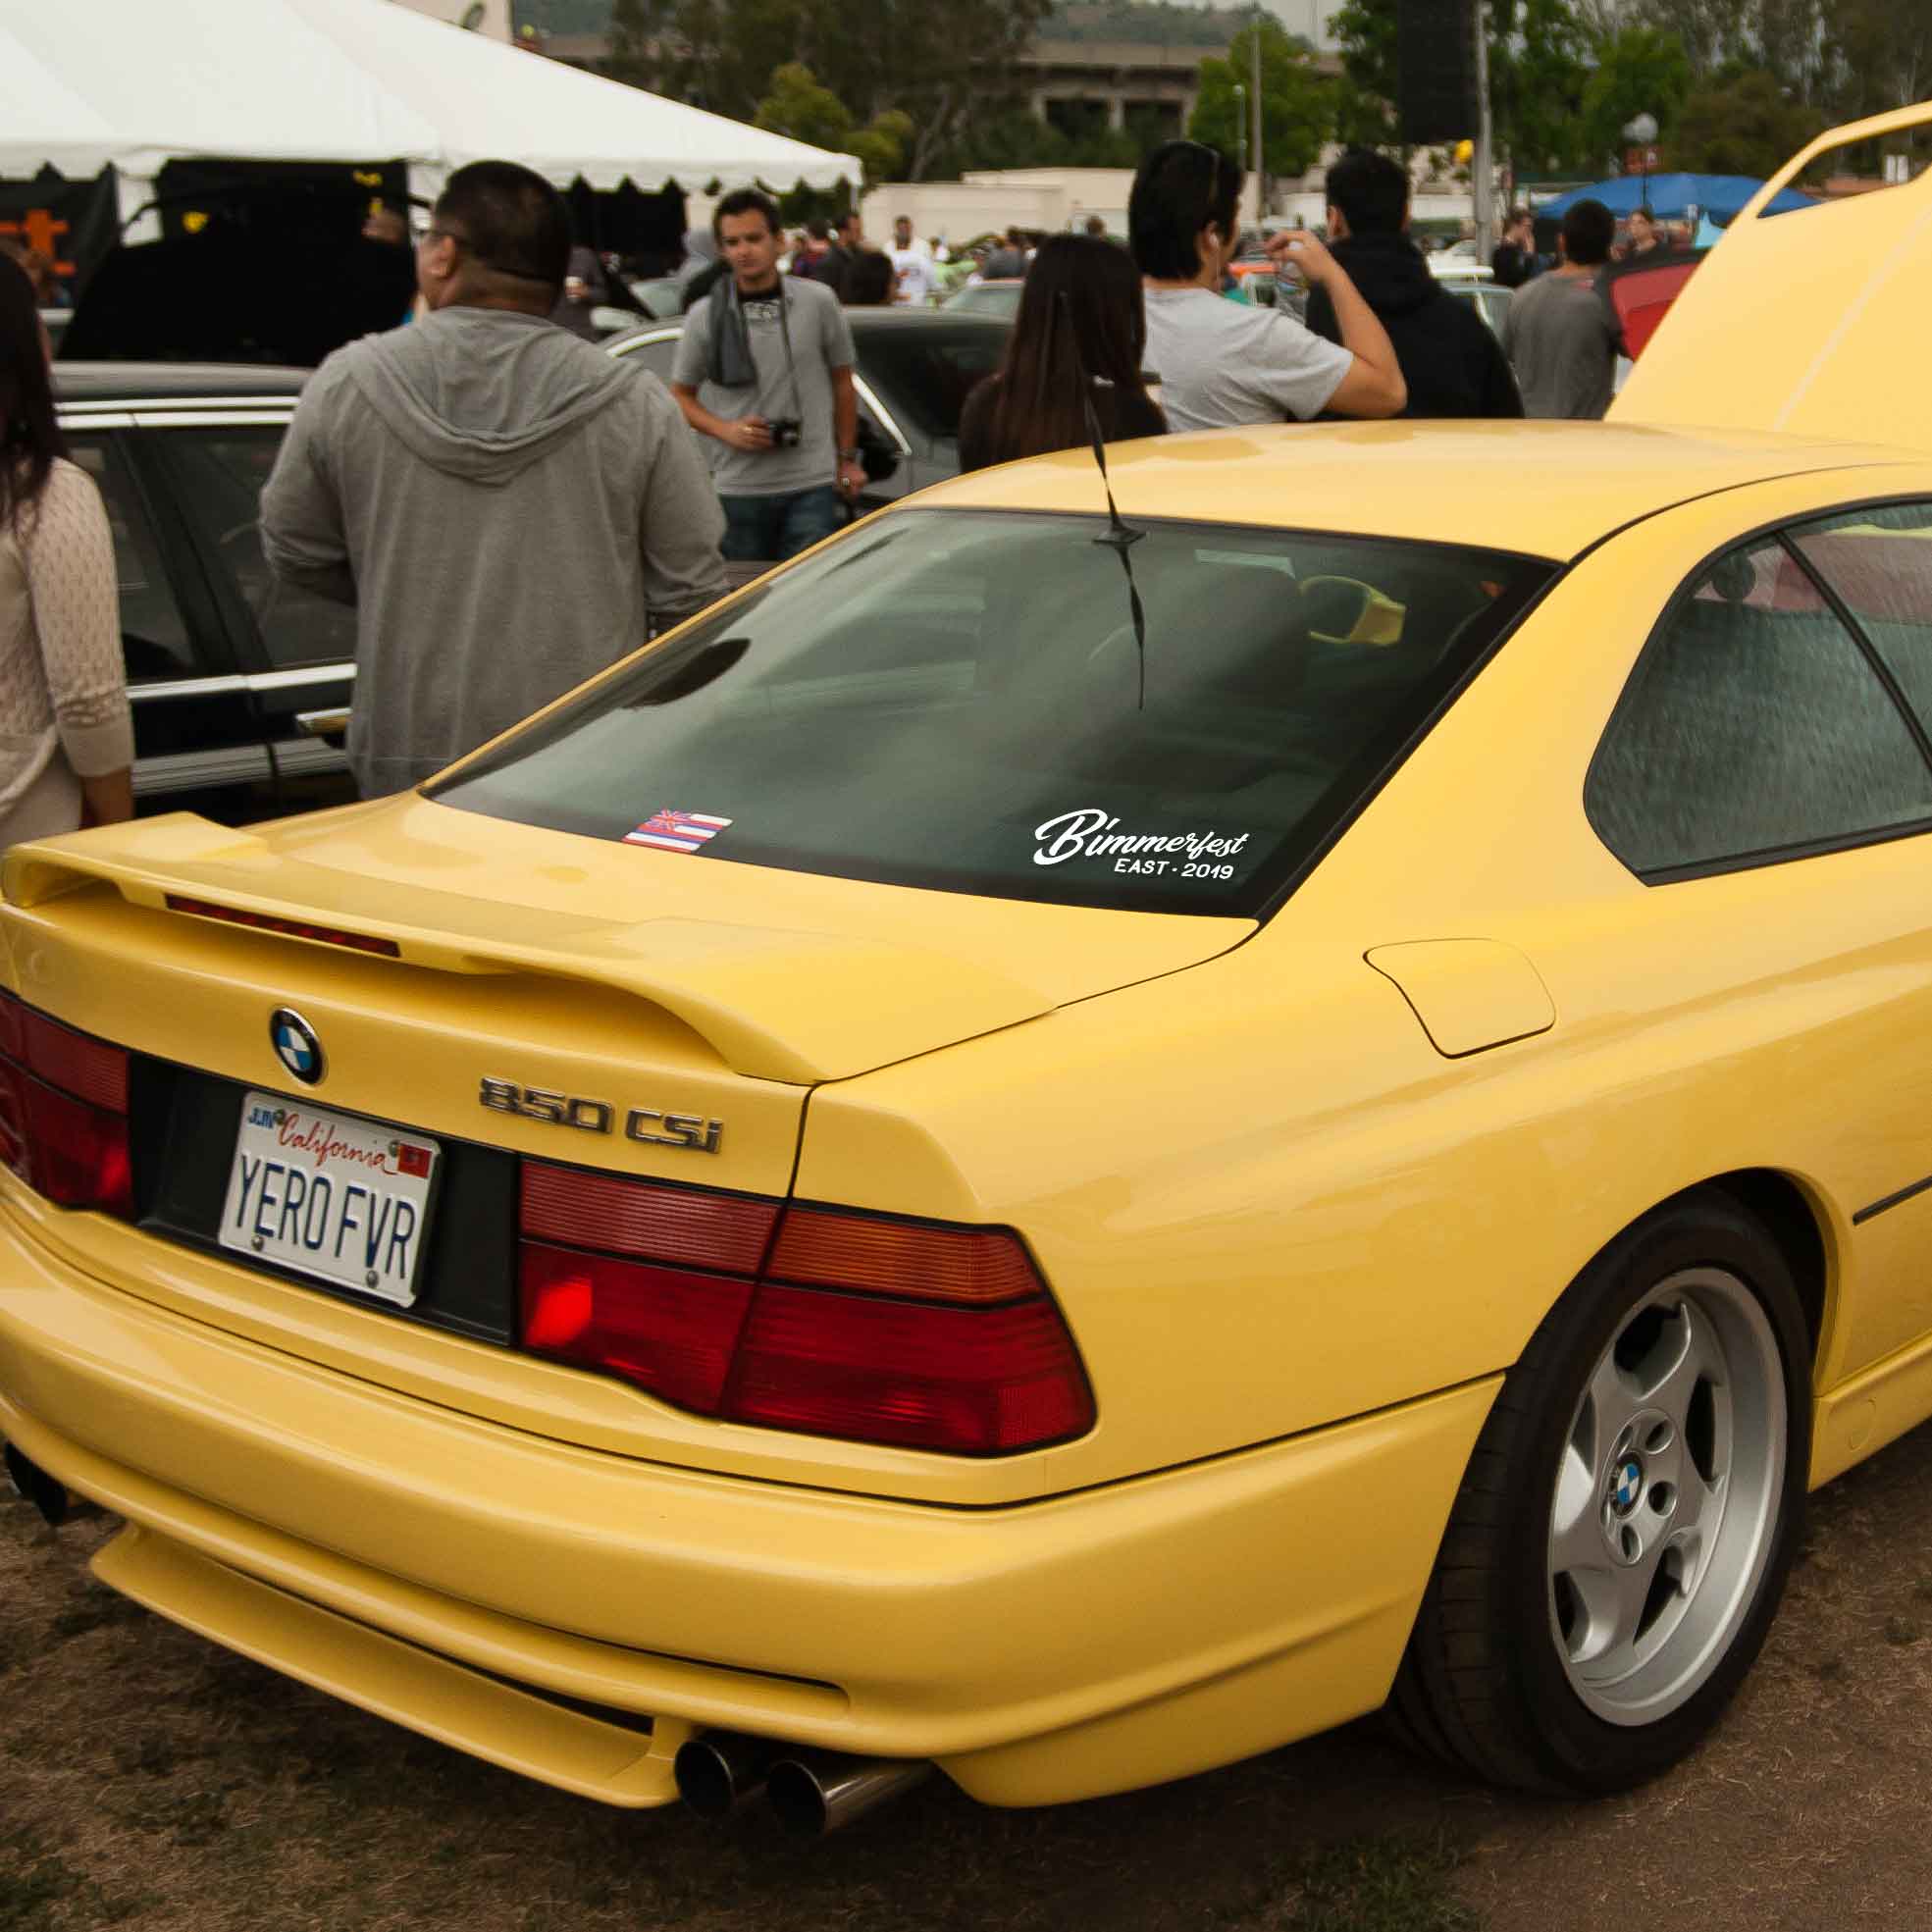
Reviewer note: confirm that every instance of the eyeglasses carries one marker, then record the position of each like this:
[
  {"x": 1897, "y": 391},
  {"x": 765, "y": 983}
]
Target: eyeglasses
[{"x": 445, "y": 234}]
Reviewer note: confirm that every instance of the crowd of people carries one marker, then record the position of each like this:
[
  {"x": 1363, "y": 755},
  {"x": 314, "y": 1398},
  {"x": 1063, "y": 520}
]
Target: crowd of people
[{"x": 480, "y": 474}]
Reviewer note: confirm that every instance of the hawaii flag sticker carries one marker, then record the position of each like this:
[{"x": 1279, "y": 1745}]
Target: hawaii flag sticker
[{"x": 677, "y": 831}]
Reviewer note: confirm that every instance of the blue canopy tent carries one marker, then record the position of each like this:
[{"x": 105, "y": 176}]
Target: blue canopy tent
[{"x": 1674, "y": 197}]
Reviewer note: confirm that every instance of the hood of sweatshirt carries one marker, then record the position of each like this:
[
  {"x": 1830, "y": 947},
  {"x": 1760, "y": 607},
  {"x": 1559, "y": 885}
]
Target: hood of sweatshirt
[
  {"x": 481, "y": 393},
  {"x": 1388, "y": 270}
]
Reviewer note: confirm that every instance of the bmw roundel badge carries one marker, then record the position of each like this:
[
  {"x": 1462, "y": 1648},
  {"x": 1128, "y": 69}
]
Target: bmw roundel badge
[
  {"x": 1630, "y": 1485},
  {"x": 295, "y": 1045}
]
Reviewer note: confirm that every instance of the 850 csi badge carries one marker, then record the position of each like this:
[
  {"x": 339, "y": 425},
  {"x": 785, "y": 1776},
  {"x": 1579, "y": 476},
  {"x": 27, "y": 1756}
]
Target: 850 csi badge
[{"x": 648, "y": 1124}]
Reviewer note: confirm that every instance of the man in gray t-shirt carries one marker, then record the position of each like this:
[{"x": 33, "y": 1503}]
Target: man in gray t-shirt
[
  {"x": 1223, "y": 364},
  {"x": 1560, "y": 333},
  {"x": 764, "y": 371}
]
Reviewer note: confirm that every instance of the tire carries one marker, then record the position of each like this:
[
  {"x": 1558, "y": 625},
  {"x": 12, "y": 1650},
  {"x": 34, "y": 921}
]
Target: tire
[{"x": 1626, "y": 1523}]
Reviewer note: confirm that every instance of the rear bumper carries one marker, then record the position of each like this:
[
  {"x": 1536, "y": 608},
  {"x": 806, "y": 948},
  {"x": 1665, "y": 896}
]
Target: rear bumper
[{"x": 1088, "y": 1643}]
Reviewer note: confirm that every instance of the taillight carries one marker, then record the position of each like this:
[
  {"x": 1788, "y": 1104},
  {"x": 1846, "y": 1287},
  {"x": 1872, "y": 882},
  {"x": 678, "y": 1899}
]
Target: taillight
[
  {"x": 870, "y": 1328},
  {"x": 974, "y": 1380},
  {"x": 668, "y": 1329},
  {"x": 64, "y": 1111}
]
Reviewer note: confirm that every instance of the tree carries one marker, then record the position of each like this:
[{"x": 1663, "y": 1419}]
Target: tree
[
  {"x": 1297, "y": 112},
  {"x": 1742, "y": 124},
  {"x": 1539, "y": 65},
  {"x": 636, "y": 27},
  {"x": 1879, "y": 53},
  {"x": 881, "y": 145},
  {"x": 1640, "y": 70},
  {"x": 720, "y": 54},
  {"x": 941, "y": 65},
  {"x": 1792, "y": 43},
  {"x": 799, "y": 107},
  {"x": 1539, "y": 69},
  {"x": 1365, "y": 102},
  {"x": 1711, "y": 32}
]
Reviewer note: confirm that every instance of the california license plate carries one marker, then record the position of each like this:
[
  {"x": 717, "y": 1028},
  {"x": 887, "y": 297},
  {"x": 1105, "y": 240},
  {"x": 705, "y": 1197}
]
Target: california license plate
[{"x": 343, "y": 1199}]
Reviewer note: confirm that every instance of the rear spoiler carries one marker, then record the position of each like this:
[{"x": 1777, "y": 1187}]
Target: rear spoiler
[{"x": 798, "y": 1007}]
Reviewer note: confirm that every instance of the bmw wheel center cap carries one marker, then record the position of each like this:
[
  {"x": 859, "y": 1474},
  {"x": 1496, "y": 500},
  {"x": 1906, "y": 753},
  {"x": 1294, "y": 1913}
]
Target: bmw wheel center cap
[
  {"x": 1628, "y": 1486},
  {"x": 295, "y": 1045}
]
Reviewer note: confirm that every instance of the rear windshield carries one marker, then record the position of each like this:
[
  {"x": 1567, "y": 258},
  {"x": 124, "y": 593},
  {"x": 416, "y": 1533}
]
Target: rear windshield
[
  {"x": 964, "y": 700},
  {"x": 925, "y": 372}
]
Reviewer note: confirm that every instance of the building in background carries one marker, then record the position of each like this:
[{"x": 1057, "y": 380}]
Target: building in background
[
  {"x": 491, "y": 16},
  {"x": 1085, "y": 71},
  {"x": 987, "y": 200}
]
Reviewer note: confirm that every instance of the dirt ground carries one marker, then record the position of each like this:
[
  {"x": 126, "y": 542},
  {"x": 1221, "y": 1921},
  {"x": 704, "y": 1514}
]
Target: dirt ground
[{"x": 151, "y": 1781}]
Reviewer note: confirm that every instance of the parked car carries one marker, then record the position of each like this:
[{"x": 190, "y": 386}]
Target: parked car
[
  {"x": 999, "y": 298},
  {"x": 913, "y": 372},
  {"x": 1487, "y": 297},
  {"x": 661, "y": 297},
  {"x": 1075, "y": 1138},
  {"x": 240, "y": 686}
]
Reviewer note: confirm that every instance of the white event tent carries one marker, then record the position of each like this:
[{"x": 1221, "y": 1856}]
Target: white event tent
[{"x": 129, "y": 83}]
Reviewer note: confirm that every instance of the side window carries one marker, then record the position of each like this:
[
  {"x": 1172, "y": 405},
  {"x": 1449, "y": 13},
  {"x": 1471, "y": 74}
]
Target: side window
[
  {"x": 1753, "y": 729},
  {"x": 154, "y": 636},
  {"x": 219, "y": 475},
  {"x": 1879, "y": 562}
]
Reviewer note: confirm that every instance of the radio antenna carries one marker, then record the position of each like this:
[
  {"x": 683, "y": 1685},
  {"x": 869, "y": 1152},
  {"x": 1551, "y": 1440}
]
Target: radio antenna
[{"x": 1120, "y": 536}]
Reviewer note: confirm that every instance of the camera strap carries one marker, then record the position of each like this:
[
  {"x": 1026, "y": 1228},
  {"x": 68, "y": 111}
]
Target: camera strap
[{"x": 790, "y": 361}]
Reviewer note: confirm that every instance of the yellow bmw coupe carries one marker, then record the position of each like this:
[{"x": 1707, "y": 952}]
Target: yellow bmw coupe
[{"x": 1058, "y": 1146}]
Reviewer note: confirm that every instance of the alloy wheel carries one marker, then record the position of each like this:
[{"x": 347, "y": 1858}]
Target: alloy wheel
[{"x": 1666, "y": 1496}]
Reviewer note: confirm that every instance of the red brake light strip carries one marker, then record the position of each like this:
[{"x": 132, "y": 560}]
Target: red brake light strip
[{"x": 323, "y": 935}]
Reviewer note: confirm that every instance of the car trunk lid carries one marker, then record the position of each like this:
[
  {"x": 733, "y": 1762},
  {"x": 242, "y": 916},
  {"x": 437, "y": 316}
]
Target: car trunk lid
[{"x": 783, "y": 977}]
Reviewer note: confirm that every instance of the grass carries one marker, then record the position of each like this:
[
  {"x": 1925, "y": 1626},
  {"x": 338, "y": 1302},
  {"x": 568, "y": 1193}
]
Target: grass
[
  {"x": 41, "y": 1892},
  {"x": 1382, "y": 1885},
  {"x": 30, "y": 1887},
  {"x": 151, "y": 1780}
]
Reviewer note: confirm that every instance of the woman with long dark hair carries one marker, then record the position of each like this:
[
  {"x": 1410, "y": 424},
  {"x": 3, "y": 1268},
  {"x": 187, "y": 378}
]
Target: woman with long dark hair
[
  {"x": 1081, "y": 334},
  {"x": 67, "y": 738}
]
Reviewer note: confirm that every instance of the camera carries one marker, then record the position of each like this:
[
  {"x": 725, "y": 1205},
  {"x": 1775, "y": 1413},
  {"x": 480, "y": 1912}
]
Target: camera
[{"x": 784, "y": 431}]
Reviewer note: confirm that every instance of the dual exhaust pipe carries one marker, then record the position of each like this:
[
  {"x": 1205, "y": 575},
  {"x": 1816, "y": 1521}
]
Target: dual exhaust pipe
[{"x": 810, "y": 1792}]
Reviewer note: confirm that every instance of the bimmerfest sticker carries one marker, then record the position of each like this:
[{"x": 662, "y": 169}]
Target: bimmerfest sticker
[
  {"x": 677, "y": 831},
  {"x": 1093, "y": 834}
]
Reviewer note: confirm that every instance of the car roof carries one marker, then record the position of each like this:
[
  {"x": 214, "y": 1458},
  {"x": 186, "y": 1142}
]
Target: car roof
[
  {"x": 117, "y": 382},
  {"x": 1537, "y": 489}
]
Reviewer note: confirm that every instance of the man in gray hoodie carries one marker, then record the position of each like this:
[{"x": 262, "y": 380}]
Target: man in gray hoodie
[{"x": 502, "y": 503}]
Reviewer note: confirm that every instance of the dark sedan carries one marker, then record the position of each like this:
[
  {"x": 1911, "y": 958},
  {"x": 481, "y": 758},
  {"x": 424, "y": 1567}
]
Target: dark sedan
[{"x": 240, "y": 686}]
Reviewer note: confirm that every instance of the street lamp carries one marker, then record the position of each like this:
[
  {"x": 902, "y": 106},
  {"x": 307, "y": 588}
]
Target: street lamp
[
  {"x": 1640, "y": 131},
  {"x": 1242, "y": 123}
]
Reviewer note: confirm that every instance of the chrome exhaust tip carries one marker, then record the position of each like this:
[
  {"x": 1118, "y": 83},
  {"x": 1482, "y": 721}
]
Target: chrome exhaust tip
[
  {"x": 32, "y": 1484},
  {"x": 813, "y": 1792},
  {"x": 718, "y": 1771}
]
